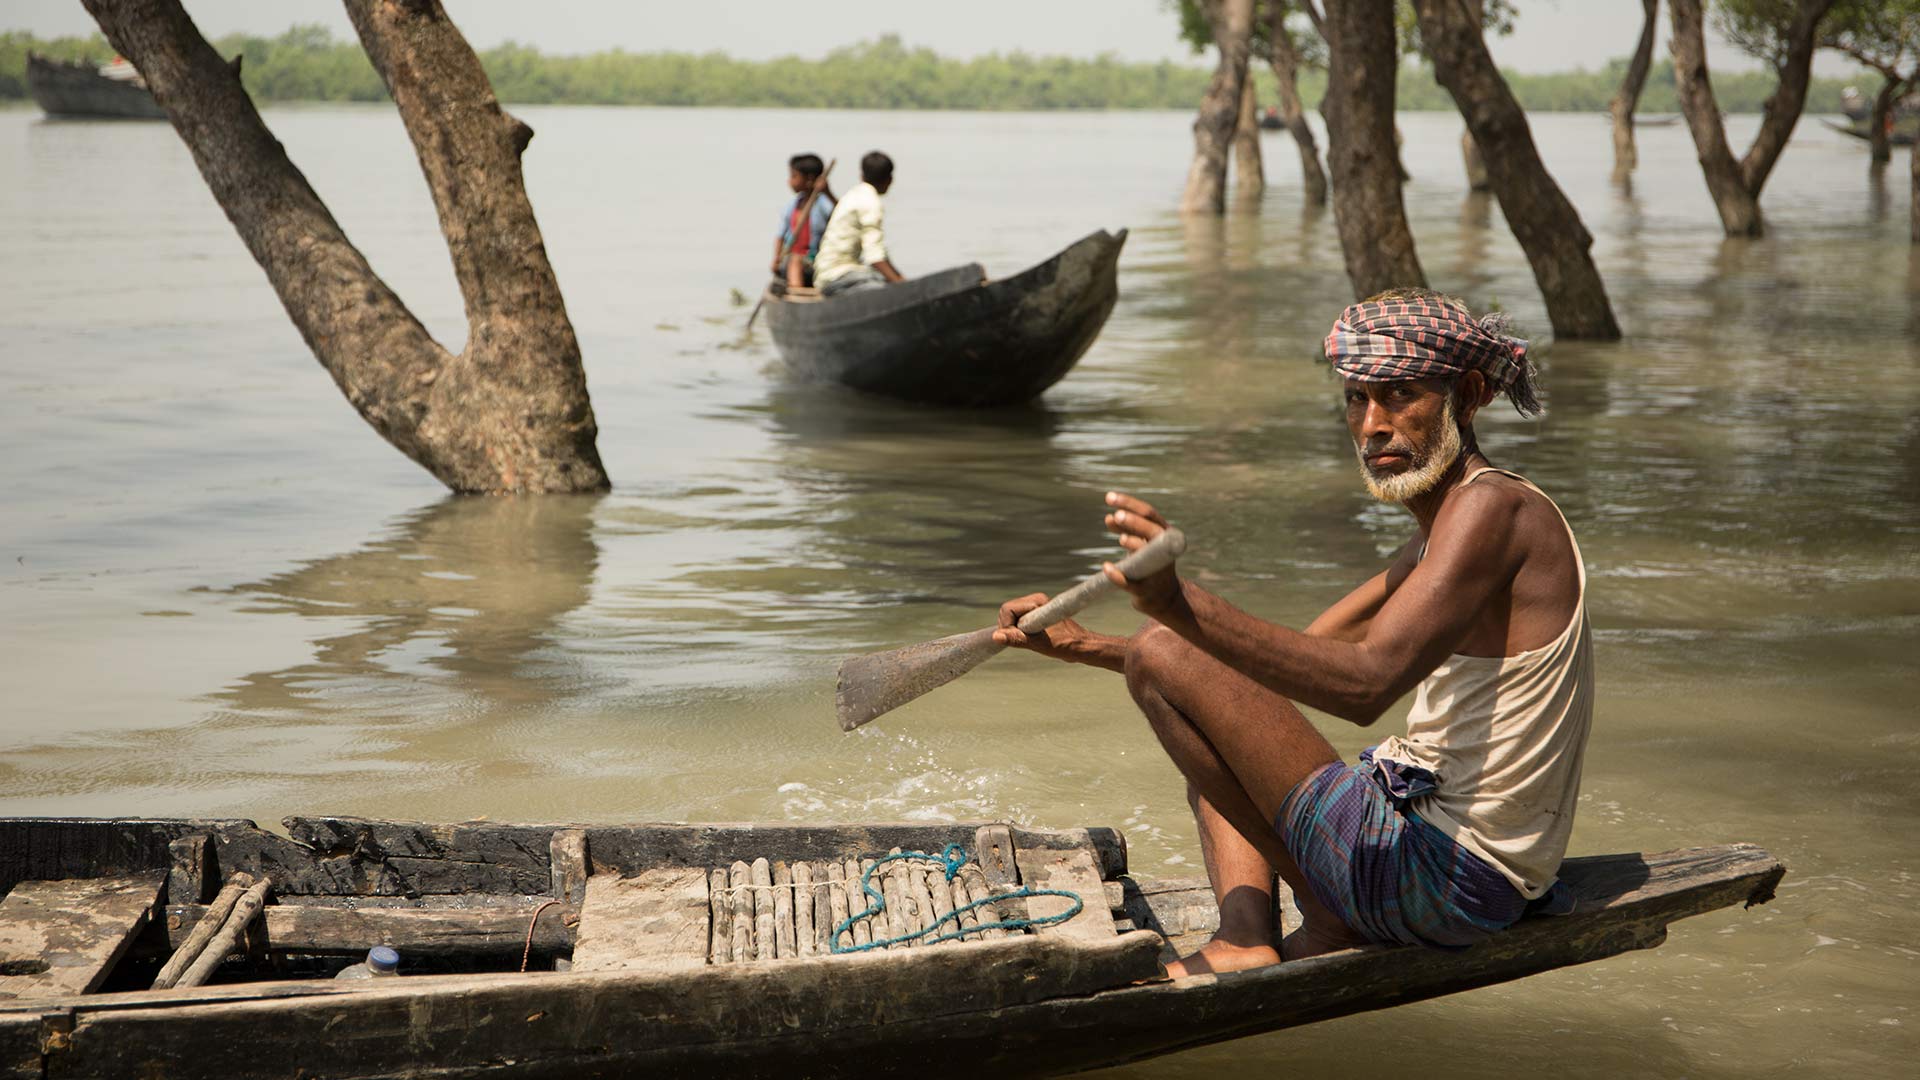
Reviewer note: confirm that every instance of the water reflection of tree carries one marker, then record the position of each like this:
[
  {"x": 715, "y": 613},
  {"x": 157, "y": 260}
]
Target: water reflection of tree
[{"x": 475, "y": 584}]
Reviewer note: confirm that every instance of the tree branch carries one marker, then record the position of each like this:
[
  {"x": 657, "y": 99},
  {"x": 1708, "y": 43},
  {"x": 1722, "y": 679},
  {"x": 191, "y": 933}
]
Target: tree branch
[
  {"x": 1789, "y": 99},
  {"x": 377, "y": 352}
]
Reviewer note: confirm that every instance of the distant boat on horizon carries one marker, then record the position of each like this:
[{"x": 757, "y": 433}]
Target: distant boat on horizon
[{"x": 76, "y": 89}]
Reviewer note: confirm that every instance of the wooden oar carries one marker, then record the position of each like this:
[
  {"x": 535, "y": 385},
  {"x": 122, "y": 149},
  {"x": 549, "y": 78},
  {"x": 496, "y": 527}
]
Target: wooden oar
[
  {"x": 878, "y": 683},
  {"x": 786, "y": 249}
]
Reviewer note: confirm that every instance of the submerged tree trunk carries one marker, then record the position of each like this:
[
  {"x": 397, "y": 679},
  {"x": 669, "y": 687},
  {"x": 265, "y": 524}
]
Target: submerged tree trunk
[
  {"x": 1736, "y": 184},
  {"x": 1626, "y": 156},
  {"x": 510, "y": 413},
  {"x": 1880, "y": 120},
  {"x": 1471, "y": 159},
  {"x": 1545, "y": 223},
  {"x": 1249, "y": 173},
  {"x": 1363, "y": 58},
  {"x": 1285, "y": 61},
  {"x": 1474, "y": 162},
  {"x": 1232, "y": 24}
]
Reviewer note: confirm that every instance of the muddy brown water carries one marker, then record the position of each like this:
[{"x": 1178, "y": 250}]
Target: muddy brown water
[{"x": 222, "y": 595}]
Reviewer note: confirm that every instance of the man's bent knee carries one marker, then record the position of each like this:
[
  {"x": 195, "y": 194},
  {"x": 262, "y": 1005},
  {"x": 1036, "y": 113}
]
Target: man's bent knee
[{"x": 1151, "y": 653}]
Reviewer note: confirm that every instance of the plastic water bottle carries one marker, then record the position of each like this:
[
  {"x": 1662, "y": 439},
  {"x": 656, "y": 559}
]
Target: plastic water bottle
[{"x": 381, "y": 961}]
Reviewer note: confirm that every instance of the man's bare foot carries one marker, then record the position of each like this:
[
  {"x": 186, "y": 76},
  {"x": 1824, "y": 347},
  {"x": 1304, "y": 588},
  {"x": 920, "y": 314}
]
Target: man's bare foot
[{"x": 1219, "y": 956}]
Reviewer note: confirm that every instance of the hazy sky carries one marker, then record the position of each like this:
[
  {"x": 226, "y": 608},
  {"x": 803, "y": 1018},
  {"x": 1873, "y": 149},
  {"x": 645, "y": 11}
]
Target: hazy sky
[{"x": 1551, "y": 35}]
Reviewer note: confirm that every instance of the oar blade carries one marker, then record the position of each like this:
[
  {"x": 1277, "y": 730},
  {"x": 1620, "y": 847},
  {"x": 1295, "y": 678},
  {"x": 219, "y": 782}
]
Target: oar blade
[{"x": 878, "y": 683}]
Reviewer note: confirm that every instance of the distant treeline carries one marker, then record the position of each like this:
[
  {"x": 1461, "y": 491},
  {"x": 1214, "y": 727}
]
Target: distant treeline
[{"x": 308, "y": 64}]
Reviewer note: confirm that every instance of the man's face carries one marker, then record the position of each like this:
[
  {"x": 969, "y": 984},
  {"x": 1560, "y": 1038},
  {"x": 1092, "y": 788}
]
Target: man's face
[
  {"x": 1405, "y": 434},
  {"x": 795, "y": 181}
]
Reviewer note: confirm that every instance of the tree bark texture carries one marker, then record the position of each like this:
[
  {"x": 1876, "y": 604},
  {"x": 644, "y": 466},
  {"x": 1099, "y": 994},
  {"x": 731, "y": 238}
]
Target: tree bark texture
[
  {"x": 1471, "y": 159},
  {"x": 1285, "y": 61},
  {"x": 1878, "y": 120},
  {"x": 1736, "y": 184},
  {"x": 1232, "y": 25},
  {"x": 508, "y": 414},
  {"x": 1914, "y": 227},
  {"x": 1249, "y": 173},
  {"x": 1363, "y": 59},
  {"x": 1542, "y": 219},
  {"x": 1626, "y": 156},
  {"x": 1474, "y": 162}
]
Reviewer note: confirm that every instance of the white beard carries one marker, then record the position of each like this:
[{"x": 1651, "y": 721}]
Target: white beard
[{"x": 1426, "y": 471}]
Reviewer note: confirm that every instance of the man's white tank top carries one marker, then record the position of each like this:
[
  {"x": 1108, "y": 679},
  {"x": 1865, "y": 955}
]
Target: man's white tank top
[{"x": 1506, "y": 735}]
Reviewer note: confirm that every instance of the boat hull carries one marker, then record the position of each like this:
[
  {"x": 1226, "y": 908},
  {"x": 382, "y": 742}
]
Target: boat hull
[
  {"x": 1021, "y": 1006},
  {"x": 80, "y": 91},
  {"x": 953, "y": 338},
  {"x": 1902, "y": 135}
]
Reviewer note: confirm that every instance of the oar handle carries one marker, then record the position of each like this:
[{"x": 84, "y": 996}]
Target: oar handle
[{"x": 1159, "y": 554}]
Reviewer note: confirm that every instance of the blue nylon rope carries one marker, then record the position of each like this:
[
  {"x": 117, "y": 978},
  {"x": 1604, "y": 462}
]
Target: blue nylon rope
[{"x": 951, "y": 858}]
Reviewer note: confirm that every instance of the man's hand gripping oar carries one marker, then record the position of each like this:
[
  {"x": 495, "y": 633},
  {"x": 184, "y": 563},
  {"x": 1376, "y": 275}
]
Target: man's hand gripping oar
[{"x": 878, "y": 683}]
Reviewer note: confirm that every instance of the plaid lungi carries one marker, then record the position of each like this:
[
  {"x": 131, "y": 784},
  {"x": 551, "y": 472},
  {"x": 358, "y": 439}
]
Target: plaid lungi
[{"x": 1392, "y": 877}]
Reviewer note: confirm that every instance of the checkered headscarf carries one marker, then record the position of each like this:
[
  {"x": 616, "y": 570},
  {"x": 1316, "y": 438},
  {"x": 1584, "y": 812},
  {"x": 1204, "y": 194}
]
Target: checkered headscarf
[{"x": 1420, "y": 338}]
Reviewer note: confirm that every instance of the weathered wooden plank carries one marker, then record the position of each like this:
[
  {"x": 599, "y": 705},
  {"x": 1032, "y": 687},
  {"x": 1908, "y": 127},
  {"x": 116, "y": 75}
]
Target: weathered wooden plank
[
  {"x": 57, "y": 849},
  {"x": 459, "y": 857},
  {"x": 629, "y": 848},
  {"x": 20, "y": 1039},
  {"x": 994, "y": 851},
  {"x": 877, "y": 881},
  {"x": 920, "y": 897},
  {"x": 571, "y": 865},
  {"x": 492, "y": 930},
  {"x": 345, "y": 856},
  {"x": 764, "y": 941},
  {"x": 899, "y": 904},
  {"x": 574, "y": 1024},
  {"x": 1169, "y": 907},
  {"x": 192, "y": 871},
  {"x": 1072, "y": 871},
  {"x": 942, "y": 899},
  {"x": 739, "y": 878},
  {"x": 978, "y": 890},
  {"x": 654, "y": 921},
  {"x": 969, "y": 917},
  {"x": 785, "y": 947},
  {"x": 64, "y": 937},
  {"x": 803, "y": 896},
  {"x": 858, "y": 900},
  {"x": 720, "y": 918},
  {"x": 837, "y": 910}
]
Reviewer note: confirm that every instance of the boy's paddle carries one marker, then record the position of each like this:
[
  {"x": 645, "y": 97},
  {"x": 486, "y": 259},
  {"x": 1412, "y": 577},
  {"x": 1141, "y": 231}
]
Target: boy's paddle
[{"x": 878, "y": 683}]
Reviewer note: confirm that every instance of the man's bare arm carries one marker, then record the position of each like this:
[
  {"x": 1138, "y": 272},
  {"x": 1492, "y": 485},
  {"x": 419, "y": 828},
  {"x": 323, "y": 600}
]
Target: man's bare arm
[{"x": 1470, "y": 558}]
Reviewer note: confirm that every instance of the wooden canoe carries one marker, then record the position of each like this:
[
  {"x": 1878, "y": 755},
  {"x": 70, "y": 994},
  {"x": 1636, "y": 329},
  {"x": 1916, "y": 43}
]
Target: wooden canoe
[
  {"x": 954, "y": 338},
  {"x": 78, "y": 90},
  {"x": 1901, "y": 135},
  {"x": 655, "y": 920}
]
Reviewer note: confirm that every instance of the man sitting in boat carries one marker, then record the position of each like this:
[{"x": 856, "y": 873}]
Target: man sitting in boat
[
  {"x": 853, "y": 253},
  {"x": 803, "y": 234},
  {"x": 1442, "y": 836}
]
